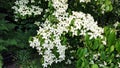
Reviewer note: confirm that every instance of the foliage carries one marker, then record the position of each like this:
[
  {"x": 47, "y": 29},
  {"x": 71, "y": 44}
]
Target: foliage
[
  {"x": 13, "y": 36},
  {"x": 95, "y": 54},
  {"x": 18, "y": 28}
]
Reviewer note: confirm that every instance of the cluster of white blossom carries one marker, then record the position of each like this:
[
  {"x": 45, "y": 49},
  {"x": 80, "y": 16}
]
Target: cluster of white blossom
[
  {"x": 85, "y": 24},
  {"x": 86, "y": 1},
  {"x": 21, "y": 8},
  {"x": 51, "y": 37},
  {"x": 48, "y": 36}
]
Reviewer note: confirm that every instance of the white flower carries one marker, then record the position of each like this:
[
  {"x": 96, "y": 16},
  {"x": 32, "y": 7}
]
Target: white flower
[
  {"x": 83, "y": 32},
  {"x": 116, "y": 24},
  {"x": 22, "y": 8},
  {"x": 95, "y": 56},
  {"x": 91, "y": 62},
  {"x": 117, "y": 55},
  {"x": 93, "y": 35},
  {"x": 118, "y": 64},
  {"x": 85, "y": 1},
  {"x": 105, "y": 63},
  {"x": 104, "y": 42},
  {"x": 35, "y": 42},
  {"x": 101, "y": 65},
  {"x": 45, "y": 65},
  {"x": 37, "y": 23}
]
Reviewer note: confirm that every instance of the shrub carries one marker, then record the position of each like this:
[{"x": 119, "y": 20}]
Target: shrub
[{"x": 61, "y": 33}]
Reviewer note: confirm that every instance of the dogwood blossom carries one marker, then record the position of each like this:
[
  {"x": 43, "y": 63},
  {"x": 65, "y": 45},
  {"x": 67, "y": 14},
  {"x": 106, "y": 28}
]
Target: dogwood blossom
[
  {"x": 22, "y": 9},
  {"x": 50, "y": 34}
]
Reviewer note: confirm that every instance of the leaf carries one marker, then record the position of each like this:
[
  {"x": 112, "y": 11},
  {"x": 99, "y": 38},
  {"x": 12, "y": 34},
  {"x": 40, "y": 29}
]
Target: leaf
[
  {"x": 83, "y": 64},
  {"x": 107, "y": 2},
  {"x": 111, "y": 48},
  {"x": 103, "y": 56},
  {"x": 82, "y": 52},
  {"x": 107, "y": 8},
  {"x": 63, "y": 40},
  {"x": 50, "y": 4},
  {"x": 72, "y": 22},
  {"x": 53, "y": 19},
  {"x": 96, "y": 43},
  {"x": 79, "y": 62},
  {"x": 117, "y": 46},
  {"x": 110, "y": 8},
  {"x": 95, "y": 66},
  {"x": 87, "y": 42},
  {"x": 111, "y": 38},
  {"x": 107, "y": 31}
]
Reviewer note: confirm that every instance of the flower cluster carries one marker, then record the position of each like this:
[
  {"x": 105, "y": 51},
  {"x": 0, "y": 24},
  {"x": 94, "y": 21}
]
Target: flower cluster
[
  {"x": 22, "y": 8},
  {"x": 48, "y": 39},
  {"x": 51, "y": 41},
  {"x": 85, "y": 24}
]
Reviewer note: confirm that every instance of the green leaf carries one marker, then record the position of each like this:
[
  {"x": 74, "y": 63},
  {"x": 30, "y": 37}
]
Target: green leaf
[
  {"x": 63, "y": 40},
  {"x": 110, "y": 8},
  {"x": 87, "y": 41},
  {"x": 79, "y": 63},
  {"x": 101, "y": 47},
  {"x": 96, "y": 43},
  {"x": 107, "y": 2},
  {"x": 111, "y": 38},
  {"x": 72, "y": 22},
  {"x": 95, "y": 66},
  {"x": 81, "y": 52},
  {"x": 111, "y": 48},
  {"x": 107, "y": 31},
  {"x": 103, "y": 56},
  {"x": 50, "y": 4},
  {"x": 117, "y": 46},
  {"x": 53, "y": 19}
]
